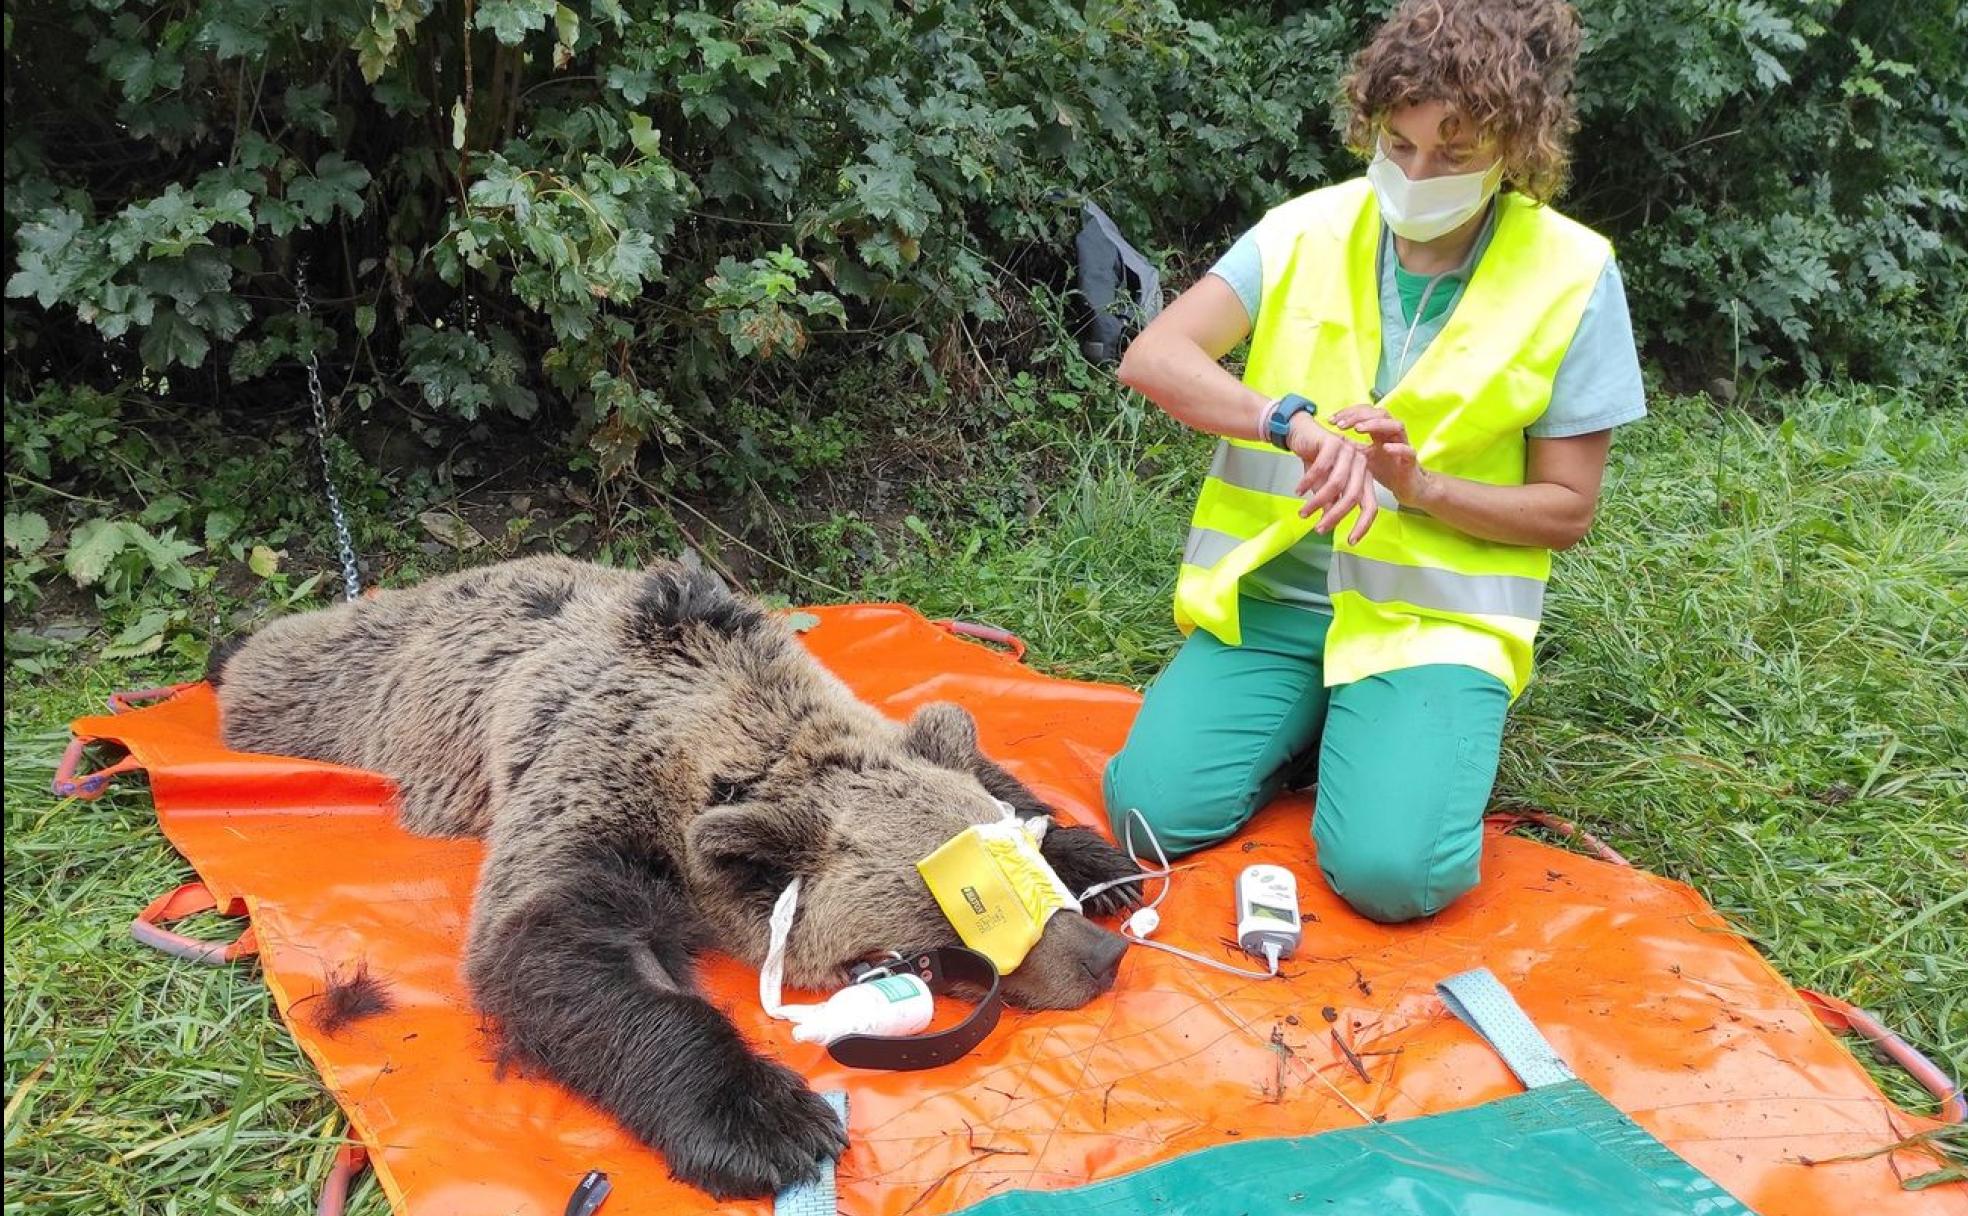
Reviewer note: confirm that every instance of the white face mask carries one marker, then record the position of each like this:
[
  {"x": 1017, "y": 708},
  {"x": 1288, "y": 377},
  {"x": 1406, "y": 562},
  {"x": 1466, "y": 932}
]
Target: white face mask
[{"x": 1433, "y": 206}]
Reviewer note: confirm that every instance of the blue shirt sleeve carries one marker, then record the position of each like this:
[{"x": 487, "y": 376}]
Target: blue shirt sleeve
[
  {"x": 1243, "y": 269},
  {"x": 1598, "y": 384}
]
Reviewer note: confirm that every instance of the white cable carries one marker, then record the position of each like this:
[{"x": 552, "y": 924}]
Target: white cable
[
  {"x": 1401, "y": 364},
  {"x": 1270, "y": 954},
  {"x": 1145, "y": 920},
  {"x": 1127, "y": 843}
]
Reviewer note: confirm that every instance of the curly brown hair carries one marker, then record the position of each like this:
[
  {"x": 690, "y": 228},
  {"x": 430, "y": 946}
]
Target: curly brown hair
[{"x": 1505, "y": 66}]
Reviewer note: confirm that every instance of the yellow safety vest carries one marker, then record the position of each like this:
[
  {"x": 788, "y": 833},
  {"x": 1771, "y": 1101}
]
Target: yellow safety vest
[{"x": 1413, "y": 591}]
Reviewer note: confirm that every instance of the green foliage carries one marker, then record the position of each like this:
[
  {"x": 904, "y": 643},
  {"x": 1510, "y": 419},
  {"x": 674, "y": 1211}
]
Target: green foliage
[
  {"x": 755, "y": 304},
  {"x": 463, "y": 374},
  {"x": 160, "y": 523},
  {"x": 1789, "y": 180},
  {"x": 112, "y": 552},
  {"x": 638, "y": 214},
  {"x": 649, "y": 220}
]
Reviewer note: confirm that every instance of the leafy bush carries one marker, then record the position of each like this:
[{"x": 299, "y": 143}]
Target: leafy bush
[
  {"x": 164, "y": 522},
  {"x": 655, "y": 221},
  {"x": 634, "y": 209},
  {"x": 1789, "y": 179}
]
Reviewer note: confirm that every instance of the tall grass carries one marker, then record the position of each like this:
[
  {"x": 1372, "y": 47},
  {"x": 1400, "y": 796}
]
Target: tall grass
[{"x": 135, "y": 1084}]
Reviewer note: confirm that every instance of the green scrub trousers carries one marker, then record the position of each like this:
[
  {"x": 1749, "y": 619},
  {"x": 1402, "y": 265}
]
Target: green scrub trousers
[{"x": 1405, "y": 761}]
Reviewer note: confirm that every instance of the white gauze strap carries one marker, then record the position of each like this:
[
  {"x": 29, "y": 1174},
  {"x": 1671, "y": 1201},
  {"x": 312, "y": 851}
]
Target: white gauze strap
[
  {"x": 772, "y": 975},
  {"x": 1025, "y": 835}
]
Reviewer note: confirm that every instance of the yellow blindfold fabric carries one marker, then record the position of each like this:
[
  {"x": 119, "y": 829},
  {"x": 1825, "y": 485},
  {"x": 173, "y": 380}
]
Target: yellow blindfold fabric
[{"x": 997, "y": 888}]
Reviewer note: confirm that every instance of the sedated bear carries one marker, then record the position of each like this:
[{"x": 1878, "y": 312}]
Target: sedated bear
[{"x": 650, "y": 760}]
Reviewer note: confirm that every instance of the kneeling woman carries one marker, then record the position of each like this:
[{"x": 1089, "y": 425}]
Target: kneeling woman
[{"x": 1437, "y": 360}]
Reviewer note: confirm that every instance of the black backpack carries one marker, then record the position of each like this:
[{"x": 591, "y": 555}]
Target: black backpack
[{"x": 1119, "y": 287}]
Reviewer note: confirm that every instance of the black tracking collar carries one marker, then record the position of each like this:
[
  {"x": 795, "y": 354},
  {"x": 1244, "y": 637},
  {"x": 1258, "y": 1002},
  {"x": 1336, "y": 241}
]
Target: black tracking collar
[{"x": 943, "y": 969}]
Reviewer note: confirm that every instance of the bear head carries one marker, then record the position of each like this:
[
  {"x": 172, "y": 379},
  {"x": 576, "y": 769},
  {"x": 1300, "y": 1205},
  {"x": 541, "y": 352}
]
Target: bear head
[{"x": 851, "y": 823}]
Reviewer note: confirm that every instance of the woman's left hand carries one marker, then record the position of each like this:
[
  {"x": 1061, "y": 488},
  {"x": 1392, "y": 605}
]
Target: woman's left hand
[{"x": 1391, "y": 459}]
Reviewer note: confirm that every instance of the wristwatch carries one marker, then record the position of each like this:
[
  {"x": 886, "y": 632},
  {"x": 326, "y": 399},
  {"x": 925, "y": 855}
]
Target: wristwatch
[{"x": 1277, "y": 424}]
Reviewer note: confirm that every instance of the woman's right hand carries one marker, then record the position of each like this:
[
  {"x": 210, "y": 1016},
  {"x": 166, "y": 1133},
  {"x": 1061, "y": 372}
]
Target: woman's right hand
[{"x": 1336, "y": 478}]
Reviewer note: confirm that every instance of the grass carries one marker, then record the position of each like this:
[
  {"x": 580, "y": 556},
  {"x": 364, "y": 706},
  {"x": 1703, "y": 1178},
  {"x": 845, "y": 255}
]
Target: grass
[
  {"x": 1754, "y": 679},
  {"x": 134, "y": 1084}
]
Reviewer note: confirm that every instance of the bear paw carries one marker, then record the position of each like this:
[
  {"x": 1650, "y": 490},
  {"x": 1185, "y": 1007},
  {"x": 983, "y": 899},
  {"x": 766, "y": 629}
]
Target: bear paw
[
  {"x": 1083, "y": 860},
  {"x": 1116, "y": 899},
  {"x": 755, "y": 1138}
]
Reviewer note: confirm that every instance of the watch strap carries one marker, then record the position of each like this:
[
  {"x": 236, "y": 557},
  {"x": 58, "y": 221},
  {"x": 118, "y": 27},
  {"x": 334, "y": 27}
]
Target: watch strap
[{"x": 1278, "y": 420}]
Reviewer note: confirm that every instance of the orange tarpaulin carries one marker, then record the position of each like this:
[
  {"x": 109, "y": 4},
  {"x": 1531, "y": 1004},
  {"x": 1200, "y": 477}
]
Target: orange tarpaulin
[{"x": 1640, "y": 986}]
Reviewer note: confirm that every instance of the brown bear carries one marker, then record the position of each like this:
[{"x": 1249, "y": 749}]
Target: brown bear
[{"x": 651, "y": 759}]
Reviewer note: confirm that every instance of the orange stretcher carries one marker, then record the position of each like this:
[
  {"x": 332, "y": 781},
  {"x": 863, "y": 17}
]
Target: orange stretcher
[{"x": 1641, "y": 986}]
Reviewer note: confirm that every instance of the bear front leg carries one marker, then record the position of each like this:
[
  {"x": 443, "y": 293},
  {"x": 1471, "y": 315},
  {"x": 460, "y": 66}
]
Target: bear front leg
[
  {"x": 1083, "y": 858},
  {"x": 582, "y": 958}
]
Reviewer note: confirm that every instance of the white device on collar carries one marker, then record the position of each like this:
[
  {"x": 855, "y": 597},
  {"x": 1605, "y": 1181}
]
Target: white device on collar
[
  {"x": 889, "y": 1005},
  {"x": 878, "y": 1021}
]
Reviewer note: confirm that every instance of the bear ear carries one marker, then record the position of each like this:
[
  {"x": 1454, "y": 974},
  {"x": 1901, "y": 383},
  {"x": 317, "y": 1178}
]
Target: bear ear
[
  {"x": 943, "y": 733},
  {"x": 757, "y": 845}
]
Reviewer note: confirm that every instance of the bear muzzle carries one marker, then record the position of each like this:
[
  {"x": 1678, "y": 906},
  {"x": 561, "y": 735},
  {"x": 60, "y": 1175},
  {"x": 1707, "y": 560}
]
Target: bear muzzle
[{"x": 1075, "y": 961}]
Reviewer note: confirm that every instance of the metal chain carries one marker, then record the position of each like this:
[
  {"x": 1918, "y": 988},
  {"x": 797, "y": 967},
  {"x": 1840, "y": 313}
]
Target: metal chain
[{"x": 351, "y": 578}]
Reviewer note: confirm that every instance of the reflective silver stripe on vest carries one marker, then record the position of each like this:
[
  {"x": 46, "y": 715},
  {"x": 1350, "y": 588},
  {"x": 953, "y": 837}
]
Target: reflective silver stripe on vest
[
  {"x": 1275, "y": 472},
  {"x": 1206, "y": 547},
  {"x": 1442, "y": 590},
  {"x": 1278, "y": 473}
]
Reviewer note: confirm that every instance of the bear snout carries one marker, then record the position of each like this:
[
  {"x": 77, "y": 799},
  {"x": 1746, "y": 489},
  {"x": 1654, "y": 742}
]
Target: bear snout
[
  {"x": 1107, "y": 957},
  {"x": 1075, "y": 961}
]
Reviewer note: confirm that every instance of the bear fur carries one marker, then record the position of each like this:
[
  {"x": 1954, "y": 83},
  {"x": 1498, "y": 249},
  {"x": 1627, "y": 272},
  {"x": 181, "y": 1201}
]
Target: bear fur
[{"x": 650, "y": 759}]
